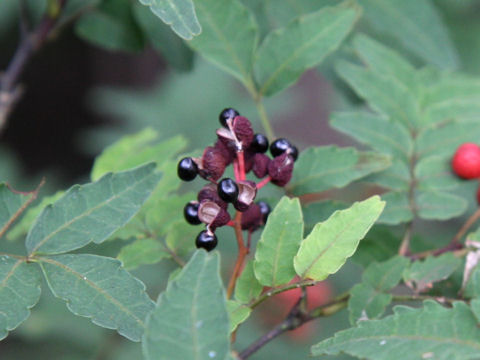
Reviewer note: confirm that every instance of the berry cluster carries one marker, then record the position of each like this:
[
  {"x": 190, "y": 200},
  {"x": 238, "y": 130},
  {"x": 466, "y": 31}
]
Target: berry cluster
[
  {"x": 466, "y": 163},
  {"x": 239, "y": 146}
]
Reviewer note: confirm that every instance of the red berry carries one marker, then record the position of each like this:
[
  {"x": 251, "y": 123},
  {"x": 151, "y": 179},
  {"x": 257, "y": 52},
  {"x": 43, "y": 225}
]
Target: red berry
[{"x": 466, "y": 161}]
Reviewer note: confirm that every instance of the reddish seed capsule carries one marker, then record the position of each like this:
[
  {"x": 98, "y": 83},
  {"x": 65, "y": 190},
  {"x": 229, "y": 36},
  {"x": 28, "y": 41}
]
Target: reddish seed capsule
[
  {"x": 280, "y": 169},
  {"x": 213, "y": 164},
  {"x": 252, "y": 219},
  {"x": 243, "y": 130},
  {"x": 247, "y": 191},
  {"x": 466, "y": 161},
  {"x": 212, "y": 214},
  {"x": 260, "y": 165}
]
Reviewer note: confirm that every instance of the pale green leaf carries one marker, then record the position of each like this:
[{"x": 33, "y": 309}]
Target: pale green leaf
[
  {"x": 247, "y": 286},
  {"x": 439, "y": 205},
  {"x": 190, "y": 320},
  {"x": 279, "y": 243},
  {"x": 423, "y": 273},
  {"x": 22, "y": 227},
  {"x": 11, "y": 206},
  {"x": 238, "y": 313},
  {"x": 435, "y": 173},
  {"x": 99, "y": 288},
  {"x": 379, "y": 132},
  {"x": 472, "y": 289},
  {"x": 433, "y": 332},
  {"x": 380, "y": 244},
  {"x": 134, "y": 150},
  {"x": 180, "y": 238},
  {"x": 142, "y": 252},
  {"x": 326, "y": 167},
  {"x": 331, "y": 242},
  {"x": 229, "y": 36},
  {"x": 383, "y": 92},
  {"x": 385, "y": 275},
  {"x": 315, "y": 212},
  {"x": 417, "y": 25},
  {"x": 365, "y": 302},
  {"x": 91, "y": 212},
  {"x": 19, "y": 291},
  {"x": 172, "y": 48},
  {"x": 286, "y": 53},
  {"x": 179, "y": 14},
  {"x": 395, "y": 177},
  {"x": 397, "y": 210}
]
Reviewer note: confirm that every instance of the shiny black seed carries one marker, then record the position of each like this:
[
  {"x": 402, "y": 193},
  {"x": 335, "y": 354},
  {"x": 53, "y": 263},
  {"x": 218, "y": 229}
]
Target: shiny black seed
[
  {"x": 259, "y": 143},
  {"x": 227, "y": 190},
  {"x": 226, "y": 114},
  {"x": 279, "y": 146},
  {"x": 264, "y": 209},
  {"x": 293, "y": 152},
  {"x": 206, "y": 241},
  {"x": 187, "y": 170},
  {"x": 190, "y": 212}
]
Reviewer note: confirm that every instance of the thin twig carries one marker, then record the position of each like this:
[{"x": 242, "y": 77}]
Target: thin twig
[
  {"x": 264, "y": 119},
  {"x": 467, "y": 225},
  {"x": 242, "y": 252},
  {"x": 405, "y": 245}
]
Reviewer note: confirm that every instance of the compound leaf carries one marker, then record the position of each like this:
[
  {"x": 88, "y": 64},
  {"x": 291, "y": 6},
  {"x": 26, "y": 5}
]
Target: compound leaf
[
  {"x": 247, "y": 286},
  {"x": 286, "y": 53},
  {"x": 430, "y": 332},
  {"x": 279, "y": 243},
  {"x": 179, "y": 14},
  {"x": 190, "y": 320},
  {"x": 331, "y": 242},
  {"x": 11, "y": 206},
  {"x": 91, "y": 212},
  {"x": 99, "y": 288},
  {"x": 19, "y": 291},
  {"x": 142, "y": 252},
  {"x": 326, "y": 167},
  {"x": 439, "y": 205}
]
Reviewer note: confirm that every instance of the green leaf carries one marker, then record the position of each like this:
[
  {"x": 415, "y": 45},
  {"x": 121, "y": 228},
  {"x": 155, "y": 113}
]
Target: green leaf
[
  {"x": 238, "y": 313},
  {"x": 11, "y": 206},
  {"x": 179, "y": 14},
  {"x": 19, "y": 291},
  {"x": 279, "y": 243},
  {"x": 315, "y": 212},
  {"x": 180, "y": 238},
  {"x": 22, "y": 227},
  {"x": 365, "y": 302},
  {"x": 164, "y": 40},
  {"x": 326, "y": 167},
  {"x": 435, "y": 173},
  {"x": 111, "y": 26},
  {"x": 331, "y": 242},
  {"x": 380, "y": 244},
  {"x": 286, "y": 53},
  {"x": 386, "y": 275},
  {"x": 142, "y": 252},
  {"x": 134, "y": 150},
  {"x": 395, "y": 177},
  {"x": 384, "y": 93},
  {"x": 423, "y": 273},
  {"x": 99, "y": 288},
  {"x": 228, "y": 38},
  {"x": 439, "y": 206},
  {"x": 430, "y": 332},
  {"x": 190, "y": 320},
  {"x": 91, "y": 212},
  {"x": 417, "y": 25},
  {"x": 247, "y": 287},
  {"x": 397, "y": 209},
  {"x": 379, "y": 132},
  {"x": 472, "y": 289}
]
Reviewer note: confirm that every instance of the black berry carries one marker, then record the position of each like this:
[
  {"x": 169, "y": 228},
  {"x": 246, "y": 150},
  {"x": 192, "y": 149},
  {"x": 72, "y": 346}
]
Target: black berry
[
  {"x": 279, "y": 146},
  {"x": 206, "y": 241},
  {"x": 259, "y": 143},
  {"x": 187, "y": 170},
  {"x": 190, "y": 212},
  {"x": 227, "y": 190},
  {"x": 293, "y": 152},
  {"x": 264, "y": 209},
  {"x": 226, "y": 114}
]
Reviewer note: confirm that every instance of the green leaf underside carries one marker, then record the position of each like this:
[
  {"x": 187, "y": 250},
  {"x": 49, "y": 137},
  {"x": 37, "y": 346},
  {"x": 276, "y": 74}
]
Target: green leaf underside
[
  {"x": 380, "y": 244},
  {"x": 286, "y": 53},
  {"x": 11, "y": 204},
  {"x": 430, "y": 332},
  {"x": 238, "y": 313},
  {"x": 229, "y": 36},
  {"x": 91, "y": 212},
  {"x": 432, "y": 269},
  {"x": 19, "y": 291},
  {"x": 417, "y": 25},
  {"x": 179, "y": 14},
  {"x": 327, "y": 167},
  {"x": 99, "y": 288},
  {"x": 142, "y": 252},
  {"x": 190, "y": 320},
  {"x": 368, "y": 299},
  {"x": 279, "y": 243},
  {"x": 331, "y": 242},
  {"x": 414, "y": 126},
  {"x": 247, "y": 287}
]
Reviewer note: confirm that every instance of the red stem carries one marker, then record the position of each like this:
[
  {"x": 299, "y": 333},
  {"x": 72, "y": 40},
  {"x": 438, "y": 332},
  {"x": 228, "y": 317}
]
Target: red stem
[
  {"x": 264, "y": 182},
  {"x": 241, "y": 164}
]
